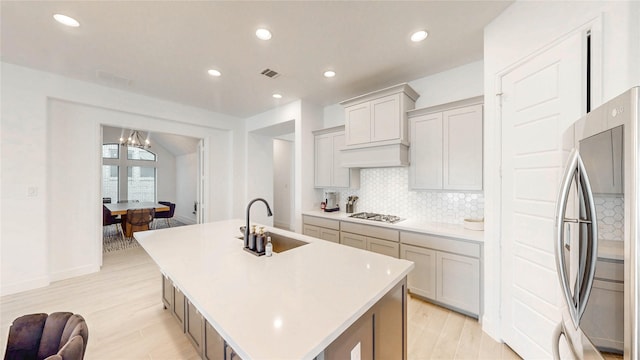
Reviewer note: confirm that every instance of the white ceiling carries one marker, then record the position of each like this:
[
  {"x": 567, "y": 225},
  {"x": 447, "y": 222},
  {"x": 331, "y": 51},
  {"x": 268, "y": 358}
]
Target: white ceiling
[{"x": 164, "y": 48}]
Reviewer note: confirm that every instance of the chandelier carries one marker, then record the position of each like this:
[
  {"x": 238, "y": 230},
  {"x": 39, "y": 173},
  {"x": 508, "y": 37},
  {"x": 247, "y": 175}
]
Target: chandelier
[{"x": 135, "y": 139}]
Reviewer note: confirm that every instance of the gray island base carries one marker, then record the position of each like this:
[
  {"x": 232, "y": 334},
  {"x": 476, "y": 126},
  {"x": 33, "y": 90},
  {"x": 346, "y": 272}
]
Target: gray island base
[{"x": 320, "y": 300}]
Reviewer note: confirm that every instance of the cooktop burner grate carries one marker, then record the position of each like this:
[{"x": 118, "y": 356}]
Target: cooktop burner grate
[{"x": 392, "y": 219}]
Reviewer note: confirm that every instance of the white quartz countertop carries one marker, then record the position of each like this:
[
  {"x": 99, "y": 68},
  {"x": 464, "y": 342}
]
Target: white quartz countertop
[
  {"x": 433, "y": 228},
  {"x": 288, "y": 306}
]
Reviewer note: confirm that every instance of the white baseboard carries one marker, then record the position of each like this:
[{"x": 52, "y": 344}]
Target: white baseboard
[
  {"x": 78, "y": 271},
  {"x": 8, "y": 289}
]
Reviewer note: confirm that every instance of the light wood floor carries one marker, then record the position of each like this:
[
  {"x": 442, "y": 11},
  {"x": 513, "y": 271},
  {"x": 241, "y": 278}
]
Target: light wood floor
[{"x": 123, "y": 308}]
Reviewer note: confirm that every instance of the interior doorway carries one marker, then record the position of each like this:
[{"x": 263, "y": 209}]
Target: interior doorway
[
  {"x": 168, "y": 171},
  {"x": 283, "y": 180}
]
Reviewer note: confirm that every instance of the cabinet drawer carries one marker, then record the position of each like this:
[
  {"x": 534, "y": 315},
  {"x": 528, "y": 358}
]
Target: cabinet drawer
[
  {"x": 311, "y": 230},
  {"x": 322, "y": 222},
  {"x": 441, "y": 243},
  {"x": 330, "y": 235},
  {"x": 370, "y": 231},
  {"x": 610, "y": 270},
  {"x": 384, "y": 247},
  {"x": 353, "y": 240}
]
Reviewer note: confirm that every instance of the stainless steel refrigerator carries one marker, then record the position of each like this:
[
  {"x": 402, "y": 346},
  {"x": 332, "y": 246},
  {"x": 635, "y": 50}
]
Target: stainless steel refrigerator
[{"x": 596, "y": 233}]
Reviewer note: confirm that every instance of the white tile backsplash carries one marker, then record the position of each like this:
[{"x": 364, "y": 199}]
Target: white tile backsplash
[
  {"x": 386, "y": 191},
  {"x": 610, "y": 216}
]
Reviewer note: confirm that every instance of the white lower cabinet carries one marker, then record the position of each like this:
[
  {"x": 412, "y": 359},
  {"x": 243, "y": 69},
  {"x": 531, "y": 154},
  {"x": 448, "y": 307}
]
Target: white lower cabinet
[
  {"x": 376, "y": 239},
  {"x": 321, "y": 228},
  {"x": 458, "y": 281},
  {"x": 422, "y": 279},
  {"x": 446, "y": 270}
]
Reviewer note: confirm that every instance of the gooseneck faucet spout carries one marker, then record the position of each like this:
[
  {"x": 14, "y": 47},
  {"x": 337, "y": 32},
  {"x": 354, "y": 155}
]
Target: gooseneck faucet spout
[{"x": 246, "y": 228}]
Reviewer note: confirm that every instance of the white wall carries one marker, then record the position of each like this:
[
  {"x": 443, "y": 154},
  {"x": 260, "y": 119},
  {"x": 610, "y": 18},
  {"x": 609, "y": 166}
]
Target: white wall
[
  {"x": 40, "y": 113},
  {"x": 283, "y": 180},
  {"x": 522, "y": 29},
  {"x": 186, "y": 187}
]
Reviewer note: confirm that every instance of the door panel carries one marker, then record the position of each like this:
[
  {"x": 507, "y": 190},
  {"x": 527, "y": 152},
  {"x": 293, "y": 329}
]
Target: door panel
[{"x": 540, "y": 98}]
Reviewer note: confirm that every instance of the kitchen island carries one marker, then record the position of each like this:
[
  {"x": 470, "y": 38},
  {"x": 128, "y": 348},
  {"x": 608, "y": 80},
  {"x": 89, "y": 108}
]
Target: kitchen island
[{"x": 319, "y": 300}]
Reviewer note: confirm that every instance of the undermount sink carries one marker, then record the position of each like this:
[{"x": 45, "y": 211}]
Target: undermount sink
[{"x": 282, "y": 243}]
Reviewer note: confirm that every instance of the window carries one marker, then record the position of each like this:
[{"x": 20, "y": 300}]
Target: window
[
  {"x": 134, "y": 153},
  {"x": 141, "y": 183},
  {"x": 110, "y": 151},
  {"x": 110, "y": 182}
]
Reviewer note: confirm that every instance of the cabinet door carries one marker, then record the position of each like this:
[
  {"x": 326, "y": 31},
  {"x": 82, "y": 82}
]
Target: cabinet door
[
  {"x": 194, "y": 327},
  {"x": 179, "y": 306},
  {"x": 358, "y": 124},
  {"x": 213, "y": 343},
  {"x": 462, "y": 152},
  {"x": 422, "y": 279},
  {"x": 330, "y": 235},
  {"x": 167, "y": 292},
  {"x": 385, "y": 118},
  {"x": 425, "y": 169},
  {"x": 311, "y": 230},
  {"x": 353, "y": 240},
  {"x": 340, "y": 175},
  {"x": 458, "y": 281},
  {"x": 383, "y": 247},
  {"x": 323, "y": 160}
]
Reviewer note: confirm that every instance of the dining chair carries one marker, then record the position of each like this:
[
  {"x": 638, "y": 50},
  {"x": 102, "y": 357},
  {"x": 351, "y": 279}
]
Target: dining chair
[
  {"x": 108, "y": 219},
  {"x": 59, "y": 335},
  {"x": 167, "y": 215},
  {"x": 140, "y": 218}
]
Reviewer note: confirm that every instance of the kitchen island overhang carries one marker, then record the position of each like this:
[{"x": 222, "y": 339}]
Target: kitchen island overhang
[{"x": 292, "y": 305}]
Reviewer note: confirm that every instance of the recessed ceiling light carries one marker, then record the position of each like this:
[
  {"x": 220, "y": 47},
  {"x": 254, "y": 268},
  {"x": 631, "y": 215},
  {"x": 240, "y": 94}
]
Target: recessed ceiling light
[
  {"x": 329, "y": 73},
  {"x": 419, "y": 36},
  {"x": 277, "y": 96},
  {"x": 263, "y": 34},
  {"x": 214, "y": 72},
  {"x": 66, "y": 20}
]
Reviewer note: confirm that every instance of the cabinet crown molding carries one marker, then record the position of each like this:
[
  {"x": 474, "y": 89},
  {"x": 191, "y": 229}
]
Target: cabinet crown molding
[
  {"x": 400, "y": 88},
  {"x": 446, "y": 106}
]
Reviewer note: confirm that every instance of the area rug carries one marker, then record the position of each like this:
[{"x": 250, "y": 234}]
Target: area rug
[{"x": 112, "y": 240}]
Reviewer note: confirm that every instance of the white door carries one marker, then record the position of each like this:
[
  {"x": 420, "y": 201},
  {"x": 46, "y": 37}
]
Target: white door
[{"x": 540, "y": 98}]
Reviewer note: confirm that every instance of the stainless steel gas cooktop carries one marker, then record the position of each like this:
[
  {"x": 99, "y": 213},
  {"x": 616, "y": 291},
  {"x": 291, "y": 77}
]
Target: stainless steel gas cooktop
[{"x": 392, "y": 219}]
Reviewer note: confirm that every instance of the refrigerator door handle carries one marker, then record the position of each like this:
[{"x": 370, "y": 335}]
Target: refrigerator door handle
[
  {"x": 592, "y": 238},
  {"x": 560, "y": 220}
]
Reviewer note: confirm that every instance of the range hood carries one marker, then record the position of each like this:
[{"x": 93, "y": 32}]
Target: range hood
[
  {"x": 375, "y": 156},
  {"x": 376, "y": 128}
]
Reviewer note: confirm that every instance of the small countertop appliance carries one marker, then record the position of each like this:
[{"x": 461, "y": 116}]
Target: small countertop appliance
[{"x": 331, "y": 199}]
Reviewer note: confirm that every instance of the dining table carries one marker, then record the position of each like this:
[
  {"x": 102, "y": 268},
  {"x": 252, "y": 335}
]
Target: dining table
[{"x": 122, "y": 207}]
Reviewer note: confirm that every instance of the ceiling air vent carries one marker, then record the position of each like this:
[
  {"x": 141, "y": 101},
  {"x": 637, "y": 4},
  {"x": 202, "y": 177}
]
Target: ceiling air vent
[{"x": 270, "y": 73}]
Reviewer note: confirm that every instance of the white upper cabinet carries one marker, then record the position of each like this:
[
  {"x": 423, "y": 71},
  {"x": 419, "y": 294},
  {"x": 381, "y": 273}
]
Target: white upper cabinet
[
  {"x": 376, "y": 128},
  {"x": 328, "y": 169},
  {"x": 462, "y": 150},
  {"x": 379, "y": 117},
  {"x": 446, "y": 147},
  {"x": 425, "y": 171}
]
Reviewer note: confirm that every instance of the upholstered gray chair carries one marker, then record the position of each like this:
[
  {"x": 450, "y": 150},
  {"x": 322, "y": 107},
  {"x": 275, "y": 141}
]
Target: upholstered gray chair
[{"x": 58, "y": 336}]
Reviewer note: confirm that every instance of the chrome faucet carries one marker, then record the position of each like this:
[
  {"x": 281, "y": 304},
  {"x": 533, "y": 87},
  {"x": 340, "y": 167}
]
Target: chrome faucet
[{"x": 246, "y": 228}]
